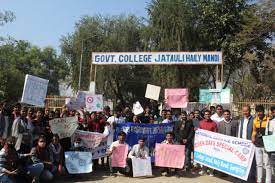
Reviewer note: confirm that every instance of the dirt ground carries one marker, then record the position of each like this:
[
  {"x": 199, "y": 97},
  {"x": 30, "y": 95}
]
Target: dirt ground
[{"x": 102, "y": 176}]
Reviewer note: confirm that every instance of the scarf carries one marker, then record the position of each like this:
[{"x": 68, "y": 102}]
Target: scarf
[{"x": 41, "y": 153}]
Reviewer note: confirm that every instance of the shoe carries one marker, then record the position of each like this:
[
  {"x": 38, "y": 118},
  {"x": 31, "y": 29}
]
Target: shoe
[
  {"x": 164, "y": 173},
  {"x": 211, "y": 174},
  {"x": 202, "y": 172},
  {"x": 112, "y": 175}
]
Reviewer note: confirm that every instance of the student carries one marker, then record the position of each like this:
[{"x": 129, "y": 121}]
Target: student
[
  {"x": 169, "y": 118},
  {"x": 218, "y": 117},
  {"x": 121, "y": 140},
  {"x": 184, "y": 133},
  {"x": 77, "y": 146},
  {"x": 169, "y": 139},
  {"x": 228, "y": 126},
  {"x": 42, "y": 155},
  {"x": 262, "y": 157},
  {"x": 138, "y": 151},
  {"x": 56, "y": 152},
  {"x": 209, "y": 125}
]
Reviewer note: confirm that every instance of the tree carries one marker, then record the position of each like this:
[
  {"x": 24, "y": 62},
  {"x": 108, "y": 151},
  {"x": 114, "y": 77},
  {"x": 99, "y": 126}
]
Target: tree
[{"x": 18, "y": 58}]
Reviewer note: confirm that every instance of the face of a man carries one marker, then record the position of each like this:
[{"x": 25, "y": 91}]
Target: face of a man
[
  {"x": 23, "y": 113},
  {"x": 121, "y": 138},
  {"x": 168, "y": 115},
  {"x": 219, "y": 111},
  {"x": 197, "y": 114},
  {"x": 163, "y": 114},
  {"x": 273, "y": 113},
  {"x": 246, "y": 112},
  {"x": 169, "y": 137},
  {"x": 260, "y": 114},
  {"x": 183, "y": 117},
  {"x": 141, "y": 143},
  {"x": 207, "y": 115},
  {"x": 226, "y": 116}
]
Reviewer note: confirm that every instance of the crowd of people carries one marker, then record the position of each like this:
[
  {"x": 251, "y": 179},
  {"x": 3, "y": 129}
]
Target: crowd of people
[{"x": 31, "y": 152}]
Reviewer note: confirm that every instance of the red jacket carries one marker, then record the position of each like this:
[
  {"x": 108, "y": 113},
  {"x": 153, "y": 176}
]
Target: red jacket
[{"x": 208, "y": 125}]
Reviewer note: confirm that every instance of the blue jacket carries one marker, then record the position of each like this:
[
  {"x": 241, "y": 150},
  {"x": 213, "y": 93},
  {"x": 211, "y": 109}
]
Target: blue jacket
[{"x": 249, "y": 127}]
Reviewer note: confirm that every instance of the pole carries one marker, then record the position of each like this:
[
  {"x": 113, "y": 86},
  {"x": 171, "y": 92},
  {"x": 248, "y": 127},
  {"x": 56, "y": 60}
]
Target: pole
[
  {"x": 80, "y": 66},
  {"x": 91, "y": 69}
]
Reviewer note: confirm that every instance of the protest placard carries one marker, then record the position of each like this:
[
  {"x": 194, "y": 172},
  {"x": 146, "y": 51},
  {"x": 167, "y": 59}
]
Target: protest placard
[
  {"x": 109, "y": 103},
  {"x": 35, "y": 90},
  {"x": 119, "y": 156},
  {"x": 64, "y": 127},
  {"x": 99, "y": 151},
  {"x": 94, "y": 102},
  {"x": 168, "y": 155},
  {"x": 78, "y": 162},
  {"x": 88, "y": 139},
  {"x": 72, "y": 104},
  {"x": 152, "y": 92},
  {"x": 81, "y": 98},
  {"x": 269, "y": 143},
  {"x": 176, "y": 98},
  {"x": 224, "y": 153},
  {"x": 137, "y": 108},
  {"x": 141, "y": 167}
]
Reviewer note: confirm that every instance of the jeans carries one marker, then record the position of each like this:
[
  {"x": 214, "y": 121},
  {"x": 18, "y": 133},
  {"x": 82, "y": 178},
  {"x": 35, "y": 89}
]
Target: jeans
[
  {"x": 5, "y": 179},
  {"x": 262, "y": 158},
  {"x": 46, "y": 175},
  {"x": 187, "y": 163},
  {"x": 35, "y": 170}
]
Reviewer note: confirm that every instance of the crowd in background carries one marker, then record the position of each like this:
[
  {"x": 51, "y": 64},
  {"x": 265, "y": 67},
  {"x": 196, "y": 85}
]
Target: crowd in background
[{"x": 31, "y": 152}]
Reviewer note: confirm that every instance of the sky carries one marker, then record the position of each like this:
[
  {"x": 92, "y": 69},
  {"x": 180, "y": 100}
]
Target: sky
[{"x": 43, "y": 22}]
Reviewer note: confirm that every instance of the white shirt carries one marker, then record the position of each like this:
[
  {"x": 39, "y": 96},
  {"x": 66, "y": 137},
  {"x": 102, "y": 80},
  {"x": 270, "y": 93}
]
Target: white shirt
[
  {"x": 115, "y": 143},
  {"x": 114, "y": 119},
  {"x": 138, "y": 152},
  {"x": 271, "y": 127},
  {"x": 244, "y": 132},
  {"x": 166, "y": 121},
  {"x": 109, "y": 133},
  {"x": 217, "y": 118}
]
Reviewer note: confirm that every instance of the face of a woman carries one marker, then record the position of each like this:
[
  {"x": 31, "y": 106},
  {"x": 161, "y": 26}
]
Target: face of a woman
[
  {"x": 42, "y": 143},
  {"x": 55, "y": 140}
]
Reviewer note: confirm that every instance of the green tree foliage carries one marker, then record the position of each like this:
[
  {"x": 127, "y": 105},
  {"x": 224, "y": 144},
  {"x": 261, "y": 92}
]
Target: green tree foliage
[{"x": 18, "y": 58}]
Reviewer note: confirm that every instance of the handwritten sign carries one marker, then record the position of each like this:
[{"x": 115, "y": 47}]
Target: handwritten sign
[
  {"x": 137, "y": 108},
  {"x": 64, "y": 127},
  {"x": 152, "y": 92},
  {"x": 176, "y": 98},
  {"x": 269, "y": 143},
  {"x": 215, "y": 96},
  {"x": 168, "y": 155},
  {"x": 119, "y": 156},
  {"x": 141, "y": 167},
  {"x": 94, "y": 102},
  {"x": 158, "y": 58},
  {"x": 224, "y": 153},
  {"x": 78, "y": 162},
  {"x": 35, "y": 90},
  {"x": 89, "y": 139}
]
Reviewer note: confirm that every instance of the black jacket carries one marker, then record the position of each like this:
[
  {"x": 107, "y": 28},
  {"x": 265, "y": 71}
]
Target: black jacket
[{"x": 184, "y": 130}]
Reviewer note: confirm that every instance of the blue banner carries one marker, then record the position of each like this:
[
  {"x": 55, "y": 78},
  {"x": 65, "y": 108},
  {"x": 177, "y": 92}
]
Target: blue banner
[{"x": 153, "y": 133}]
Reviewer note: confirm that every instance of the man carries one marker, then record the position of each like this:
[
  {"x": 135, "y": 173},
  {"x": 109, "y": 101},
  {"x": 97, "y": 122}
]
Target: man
[
  {"x": 117, "y": 117},
  {"x": 184, "y": 133},
  {"x": 197, "y": 119},
  {"x": 162, "y": 117},
  {"x": 228, "y": 126},
  {"x": 218, "y": 117},
  {"x": 245, "y": 132},
  {"x": 271, "y": 125},
  {"x": 138, "y": 151},
  {"x": 262, "y": 157},
  {"x": 169, "y": 118},
  {"x": 121, "y": 140},
  {"x": 209, "y": 125}
]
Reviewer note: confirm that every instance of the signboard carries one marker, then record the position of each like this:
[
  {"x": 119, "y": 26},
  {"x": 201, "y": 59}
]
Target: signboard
[
  {"x": 215, "y": 96},
  {"x": 64, "y": 127},
  {"x": 157, "y": 58},
  {"x": 152, "y": 92},
  {"x": 170, "y": 155},
  {"x": 94, "y": 102},
  {"x": 35, "y": 90},
  {"x": 176, "y": 98},
  {"x": 224, "y": 153},
  {"x": 78, "y": 162}
]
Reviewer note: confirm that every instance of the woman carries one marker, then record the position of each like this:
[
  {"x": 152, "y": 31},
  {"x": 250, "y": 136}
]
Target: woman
[
  {"x": 41, "y": 155},
  {"x": 56, "y": 154}
]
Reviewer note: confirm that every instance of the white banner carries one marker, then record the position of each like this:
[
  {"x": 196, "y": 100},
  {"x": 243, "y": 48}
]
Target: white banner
[
  {"x": 141, "y": 167},
  {"x": 94, "y": 102},
  {"x": 157, "y": 58},
  {"x": 227, "y": 154},
  {"x": 78, "y": 162},
  {"x": 64, "y": 127},
  {"x": 35, "y": 90}
]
